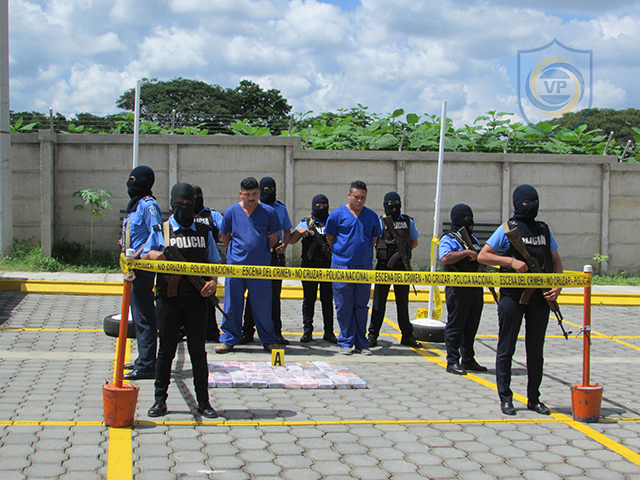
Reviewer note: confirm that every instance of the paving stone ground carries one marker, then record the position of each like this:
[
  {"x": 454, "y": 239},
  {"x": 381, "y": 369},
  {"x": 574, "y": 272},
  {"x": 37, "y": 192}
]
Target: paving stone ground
[{"x": 413, "y": 421}]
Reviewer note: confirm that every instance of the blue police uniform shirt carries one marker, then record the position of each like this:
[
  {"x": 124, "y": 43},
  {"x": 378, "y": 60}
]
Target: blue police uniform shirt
[
  {"x": 249, "y": 243},
  {"x": 448, "y": 245},
  {"x": 283, "y": 216},
  {"x": 141, "y": 221},
  {"x": 353, "y": 244},
  {"x": 413, "y": 231},
  {"x": 303, "y": 224},
  {"x": 156, "y": 241},
  {"x": 500, "y": 243},
  {"x": 216, "y": 216}
]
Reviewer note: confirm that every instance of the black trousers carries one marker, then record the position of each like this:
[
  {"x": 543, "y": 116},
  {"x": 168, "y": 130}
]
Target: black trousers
[
  {"x": 380, "y": 294},
  {"x": 510, "y": 313},
  {"x": 144, "y": 320},
  {"x": 310, "y": 294},
  {"x": 172, "y": 313},
  {"x": 464, "y": 309},
  {"x": 249, "y": 326}
]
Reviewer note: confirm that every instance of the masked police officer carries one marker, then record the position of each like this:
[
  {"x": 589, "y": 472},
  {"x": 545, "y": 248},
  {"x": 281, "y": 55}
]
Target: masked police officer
[
  {"x": 541, "y": 245},
  {"x": 397, "y": 228},
  {"x": 464, "y": 304},
  {"x": 179, "y": 303},
  {"x": 315, "y": 254},
  {"x": 143, "y": 214},
  {"x": 212, "y": 219}
]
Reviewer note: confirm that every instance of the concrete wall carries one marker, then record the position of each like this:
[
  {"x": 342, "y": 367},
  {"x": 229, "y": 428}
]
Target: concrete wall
[{"x": 590, "y": 202}]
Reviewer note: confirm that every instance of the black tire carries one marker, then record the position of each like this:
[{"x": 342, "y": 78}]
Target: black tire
[
  {"x": 111, "y": 325},
  {"x": 428, "y": 330}
]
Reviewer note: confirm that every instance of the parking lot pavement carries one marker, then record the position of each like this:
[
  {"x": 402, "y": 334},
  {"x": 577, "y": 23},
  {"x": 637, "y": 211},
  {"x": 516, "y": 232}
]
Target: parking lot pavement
[{"x": 413, "y": 421}]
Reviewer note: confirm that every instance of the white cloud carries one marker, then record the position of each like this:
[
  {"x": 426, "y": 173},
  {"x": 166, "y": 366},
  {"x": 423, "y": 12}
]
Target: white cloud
[
  {"x": 173, "y": 49},
  {"x": 606, "y": 94},
  {"x": 409, "y": 54}
]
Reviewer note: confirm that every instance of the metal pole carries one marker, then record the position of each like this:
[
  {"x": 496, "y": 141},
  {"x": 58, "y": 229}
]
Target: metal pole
[
  {"x": 404, "y": 133},
  {"x": 586, "y": 332},
  {"x": 506, "y": 144},
  {"x": 51, "y": 118},
  {"x": 173, "y": 120},
  {"x": 306, "y": 142},
  {"x": 624, "y": 154},
  {"x": 136, "y": 125},
  {"x": 290, "y": 126},
  {"x": 608, "y": 142},
  {"x": 6, "y": 216},
  {"x": 436, "y": 216}
]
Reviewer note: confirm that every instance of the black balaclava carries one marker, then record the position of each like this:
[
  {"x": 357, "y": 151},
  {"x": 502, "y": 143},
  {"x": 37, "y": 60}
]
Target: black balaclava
[
  {"x": 525, "y": 213},
  {"x": 392, "y": 205},
  {"x": 267, "y": 196},
  {"x": 182, "y": 213},
  {"x": 198, "y": 205},
  {"x": 139, "y": 186},
  {"x": 458, "y": 220},
  {"x": 320, "y": 214}
]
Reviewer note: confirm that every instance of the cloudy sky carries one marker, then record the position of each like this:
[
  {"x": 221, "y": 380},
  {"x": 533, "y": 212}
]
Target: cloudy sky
[{"x": 80, "y": 55}]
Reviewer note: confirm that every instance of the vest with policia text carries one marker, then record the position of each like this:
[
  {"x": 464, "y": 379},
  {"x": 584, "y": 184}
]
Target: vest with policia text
[
  {"x": 386, "y": 246},
  {"x": 312, "y": 255},
  {"x": 537, "y": 240},
  {"x": 205, "y": 218},
  {"x": 464, "y": 265},
  {"x": 193, "y": 247}
]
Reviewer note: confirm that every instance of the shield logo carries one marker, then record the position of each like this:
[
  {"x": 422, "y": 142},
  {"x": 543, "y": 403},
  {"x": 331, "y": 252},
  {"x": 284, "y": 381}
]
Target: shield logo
[{"x": 554, "y": 80}]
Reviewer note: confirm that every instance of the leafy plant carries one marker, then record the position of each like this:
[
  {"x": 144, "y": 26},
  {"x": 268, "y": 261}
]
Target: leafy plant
[{"x": 95, "y": 204}]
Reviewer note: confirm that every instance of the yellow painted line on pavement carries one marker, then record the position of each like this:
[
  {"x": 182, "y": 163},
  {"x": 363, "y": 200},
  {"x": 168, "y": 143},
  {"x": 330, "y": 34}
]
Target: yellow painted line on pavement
[
  {"x": 595, "y": 334},
  {"x": 49, "y": 423},
  {"x": 431, "y": 353},
  {"x": 120, "y": 453},
  {"x": 25, "y": 329}
]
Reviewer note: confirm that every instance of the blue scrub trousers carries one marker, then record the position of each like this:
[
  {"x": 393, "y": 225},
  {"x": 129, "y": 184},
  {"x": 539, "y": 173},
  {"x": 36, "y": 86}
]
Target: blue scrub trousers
[
  {"x": 352, "y": 310},
  {"x": 260, "y": 298}
]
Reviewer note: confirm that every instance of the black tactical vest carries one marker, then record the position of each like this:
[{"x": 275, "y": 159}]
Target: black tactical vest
[
  {"x": 464, "y": 265},
  {"x": 206, "y": 219},
  {"x": 312, "y": 255},
  {"x": 386, "y": 247},
  {"x": 193, "y": 247},
  {"x": 538, "y": 246}
]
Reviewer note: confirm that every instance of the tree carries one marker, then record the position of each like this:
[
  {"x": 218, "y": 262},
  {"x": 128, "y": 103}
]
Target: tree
[
  {"x": 607, "y": 119},
  {"x": 197, "y": 102},
  {"x": 96, "y": 205}
]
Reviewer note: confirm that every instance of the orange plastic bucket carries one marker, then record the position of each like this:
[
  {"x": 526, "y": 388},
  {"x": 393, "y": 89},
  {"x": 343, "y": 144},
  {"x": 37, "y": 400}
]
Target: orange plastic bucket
[
  {"x": 119, "y": 404},
  {"x": 585, "y": 402}
]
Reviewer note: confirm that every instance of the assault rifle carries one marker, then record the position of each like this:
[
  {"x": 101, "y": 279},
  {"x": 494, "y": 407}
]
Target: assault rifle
[
  {"x": 171, "y": 253},
  {"x": 320, "y": 239},
  {"x": 469, "y": 245},
  {"x": 515, "y": 239},
  {"x": 400, "y": 245}
]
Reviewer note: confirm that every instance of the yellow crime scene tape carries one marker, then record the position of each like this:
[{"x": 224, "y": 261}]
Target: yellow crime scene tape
[{"x": 455, "y": 279}]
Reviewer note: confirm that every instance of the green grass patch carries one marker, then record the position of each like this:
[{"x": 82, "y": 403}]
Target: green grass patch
[
  {"x": 621, "y": 278},
  {"x": 66, "y": 257}
]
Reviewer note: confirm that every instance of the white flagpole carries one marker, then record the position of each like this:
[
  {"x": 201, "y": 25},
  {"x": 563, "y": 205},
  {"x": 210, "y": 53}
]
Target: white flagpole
[
  {"x": 136, "y": 125},
  {"x": 436, "y": 216}
]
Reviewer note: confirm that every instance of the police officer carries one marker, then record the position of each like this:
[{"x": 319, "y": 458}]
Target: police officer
[
  {"x": 389, "y": 258},
  {"x": 315, "y": 254},
  {"x": 143, "y": 213},
  {"x": 179, "y": 302},
  {"x": 268, "y": 197},
  {"x": 212, "y": 219},
  {"x": 464, "y": 304},
  {"x": 541, "y": 245}
]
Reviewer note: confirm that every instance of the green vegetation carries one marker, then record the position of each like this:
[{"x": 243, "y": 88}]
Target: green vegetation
[
  {"x": 621, "y": 278},
  {"x": 66, "y": 257},
  {"x": 95, "y": 204}
]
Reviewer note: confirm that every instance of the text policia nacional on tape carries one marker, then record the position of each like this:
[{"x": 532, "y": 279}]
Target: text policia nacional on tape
[{"x": 513, "y": 280}]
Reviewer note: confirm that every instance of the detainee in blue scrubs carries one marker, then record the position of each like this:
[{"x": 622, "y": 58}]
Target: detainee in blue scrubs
[
  {"x": 249, "y": 231},
  {"x": 352, "y": 230}
]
